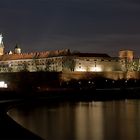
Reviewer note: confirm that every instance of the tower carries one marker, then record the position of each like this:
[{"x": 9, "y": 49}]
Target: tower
[
  {"x": 17, "y": 49},
  {"x": 126, "y": 54},
  {"x": 1, "y": 45}
]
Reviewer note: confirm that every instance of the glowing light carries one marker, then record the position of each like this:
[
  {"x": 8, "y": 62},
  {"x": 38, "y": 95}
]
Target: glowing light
[
  {"x": 1, "y": 38},
  {"x": 79, "y": 82},
  {"x": 92, "y": 69},
  {"x": 80, "y": 69},
  {"x": 96, "y": 69},
  {"x": 3, "y": 84}
]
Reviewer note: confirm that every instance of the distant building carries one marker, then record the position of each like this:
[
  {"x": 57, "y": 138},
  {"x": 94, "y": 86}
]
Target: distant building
[
  {"x": 1, "y": 45},
  {"x": 65, "y": 61}
]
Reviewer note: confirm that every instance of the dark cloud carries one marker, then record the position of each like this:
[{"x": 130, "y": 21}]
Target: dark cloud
[{"x": 85, "y": 25}]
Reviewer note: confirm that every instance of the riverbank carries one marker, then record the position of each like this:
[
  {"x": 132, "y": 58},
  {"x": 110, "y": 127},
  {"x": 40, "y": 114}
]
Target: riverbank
[
  {"x": 9, "y": 129},
  {"x": 87, "y": 94}
]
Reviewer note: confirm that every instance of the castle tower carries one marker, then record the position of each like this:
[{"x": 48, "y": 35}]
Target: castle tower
[
  {"x": 17, "y": 49},
  {"x": 1, "y": 45},
  {"x": 126, "y": 54}
]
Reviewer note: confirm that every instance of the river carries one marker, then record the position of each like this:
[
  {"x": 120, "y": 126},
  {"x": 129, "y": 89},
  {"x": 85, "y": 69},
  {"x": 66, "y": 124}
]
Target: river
[{"x": 81, "y": 120}]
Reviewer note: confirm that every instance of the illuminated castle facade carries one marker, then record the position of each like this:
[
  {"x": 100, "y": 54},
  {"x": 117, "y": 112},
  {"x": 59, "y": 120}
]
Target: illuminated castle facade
[{"x": 65, "y": 61}]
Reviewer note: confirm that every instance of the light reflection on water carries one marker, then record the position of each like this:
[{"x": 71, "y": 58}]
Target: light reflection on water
[{"x": 82, "y": 120}]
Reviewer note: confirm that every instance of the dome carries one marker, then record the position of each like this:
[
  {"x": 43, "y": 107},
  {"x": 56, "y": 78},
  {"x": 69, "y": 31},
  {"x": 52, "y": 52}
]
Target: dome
[
  {"x": 17, "y": 49},
  {"x": 17, "y": 46}
]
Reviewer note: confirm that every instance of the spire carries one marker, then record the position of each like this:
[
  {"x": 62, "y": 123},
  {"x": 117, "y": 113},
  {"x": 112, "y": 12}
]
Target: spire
[
  {"x": 1, "y": 42},
  {"x": 1, "y": 45},
  {"x": 17, "y": 46}
]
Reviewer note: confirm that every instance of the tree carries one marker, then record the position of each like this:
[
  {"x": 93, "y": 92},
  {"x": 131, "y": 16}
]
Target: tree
[
  {"x": 25, "y": 67},
  {"x": 48, "y": 64},
  {"x": 69, "y": 64}
]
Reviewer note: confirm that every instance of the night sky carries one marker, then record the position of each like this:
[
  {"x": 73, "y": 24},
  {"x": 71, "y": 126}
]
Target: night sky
[{"x": 102, "y": 26}]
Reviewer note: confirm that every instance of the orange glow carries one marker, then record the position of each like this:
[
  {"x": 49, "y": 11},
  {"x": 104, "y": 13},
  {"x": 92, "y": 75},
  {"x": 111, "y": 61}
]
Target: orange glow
[{"x": 96, "y": 69}]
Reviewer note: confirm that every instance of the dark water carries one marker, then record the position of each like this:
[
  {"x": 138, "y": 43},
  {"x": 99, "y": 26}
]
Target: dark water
[{"x": 108, "y": 120}]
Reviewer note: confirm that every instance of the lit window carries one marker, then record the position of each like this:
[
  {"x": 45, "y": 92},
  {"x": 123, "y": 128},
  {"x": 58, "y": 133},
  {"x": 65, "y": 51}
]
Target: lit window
[{"x": 3, "y": 84}]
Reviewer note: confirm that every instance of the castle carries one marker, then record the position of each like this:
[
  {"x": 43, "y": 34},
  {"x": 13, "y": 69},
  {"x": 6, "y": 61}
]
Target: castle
[{"x": 66, "y": 61}]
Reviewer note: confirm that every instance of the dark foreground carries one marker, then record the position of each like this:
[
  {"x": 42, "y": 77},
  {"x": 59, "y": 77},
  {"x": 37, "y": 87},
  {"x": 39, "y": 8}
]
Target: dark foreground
[{"x": 11, "y": 130}]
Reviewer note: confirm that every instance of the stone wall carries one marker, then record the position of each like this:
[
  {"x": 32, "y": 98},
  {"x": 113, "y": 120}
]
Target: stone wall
[
  {"x": 93, "y": 64},
  {"x": 67, "y": 76}
]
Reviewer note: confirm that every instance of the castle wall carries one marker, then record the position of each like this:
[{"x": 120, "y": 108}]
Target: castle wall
[
  {"x": 94, "y": 64},
  {"x": 114, "y": 75},
  {"x": 71, "y": 63},
  {"x": 32, "y": 65}
]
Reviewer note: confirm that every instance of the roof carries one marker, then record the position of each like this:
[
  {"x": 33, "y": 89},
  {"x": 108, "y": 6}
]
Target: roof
[
  {"x": 47, "y": 54},
  {"x": 17, "y": 47},
  {"x": 35, "y": 55},
  {"x": 91, "y": 55}
]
